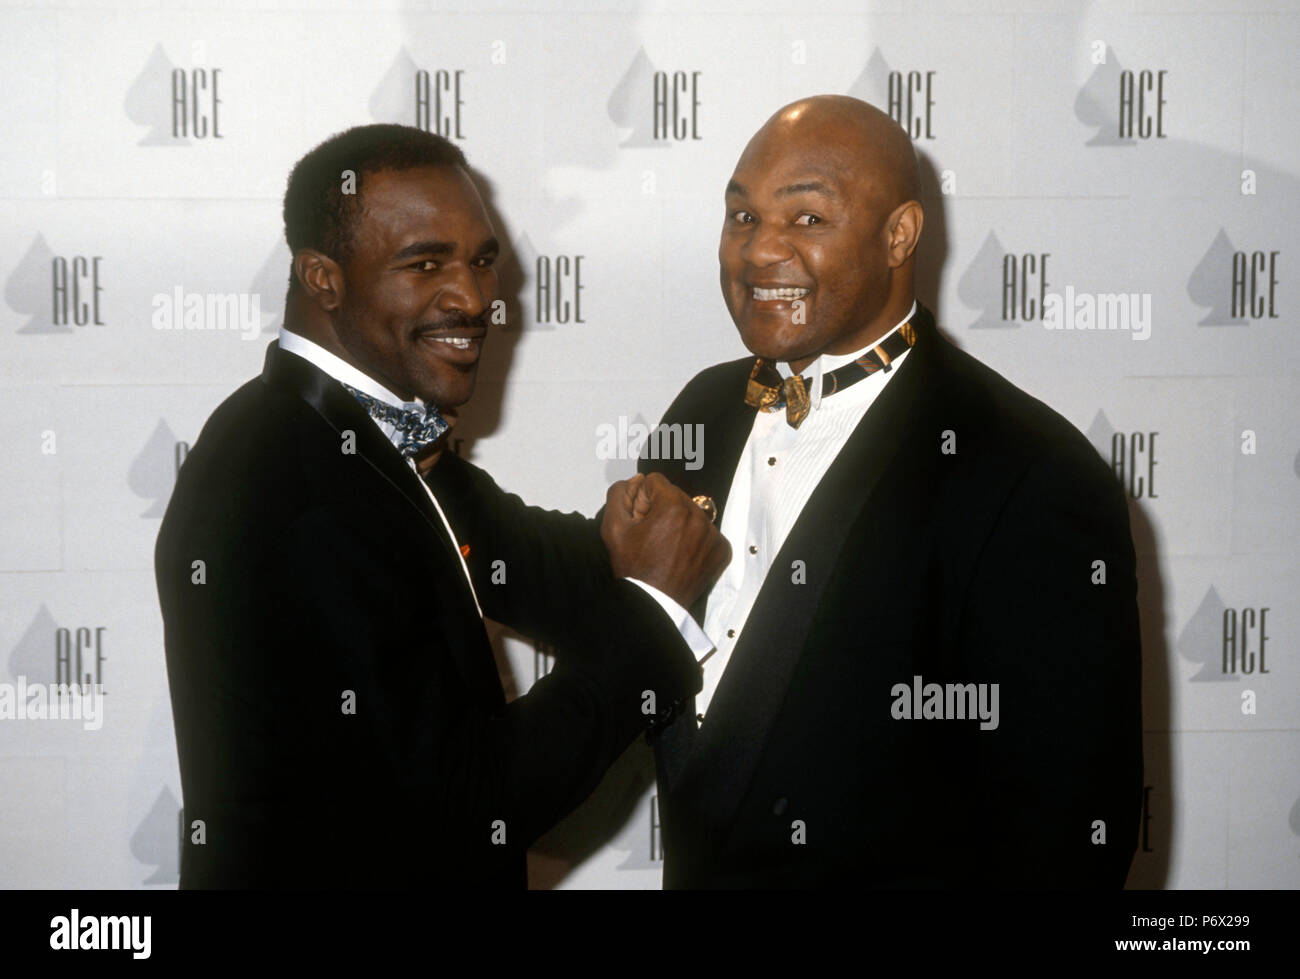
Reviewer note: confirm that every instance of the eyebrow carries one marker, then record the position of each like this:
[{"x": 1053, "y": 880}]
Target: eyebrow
[
  {"x": 440, "y": 248},
  {"x": 416, "y": 248},
  {"x": 807, "y": 187},
  {"x": 790, "y": 190}
]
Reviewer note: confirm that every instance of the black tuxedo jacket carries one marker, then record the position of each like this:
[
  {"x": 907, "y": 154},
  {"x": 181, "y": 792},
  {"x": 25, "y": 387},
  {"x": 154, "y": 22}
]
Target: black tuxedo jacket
[
  {"x": 973, "y": 566},
  {"x": 339, "y": 718}
]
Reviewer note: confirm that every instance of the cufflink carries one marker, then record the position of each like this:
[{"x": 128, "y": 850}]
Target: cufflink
[{"x": 661, "y": 720}]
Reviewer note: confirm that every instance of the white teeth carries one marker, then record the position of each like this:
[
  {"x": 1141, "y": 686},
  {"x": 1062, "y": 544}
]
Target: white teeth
[
  {"x": 460, "y": 343},
  {"x": 766, "y": 295}
]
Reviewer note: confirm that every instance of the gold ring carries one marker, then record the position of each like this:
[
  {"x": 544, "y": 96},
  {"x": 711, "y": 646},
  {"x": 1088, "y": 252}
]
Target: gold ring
[{"x": 706, "y": 504}]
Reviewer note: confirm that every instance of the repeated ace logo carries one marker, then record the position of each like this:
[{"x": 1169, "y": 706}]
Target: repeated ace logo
[
  {"x": 1236, "y": 286},
  {"x": 1133, "y": 460},
  {"x": 59, "y": 655},
  {"x": 552, "y": 289},
  {"x": 1131, "y": 455},
  {"x": 1124, "y": 106},
  {"x": 1009, "y": 288},
  {"x": 432, "y": 99},
  {"x": 79, "y": 656},
  {"x": 1013, "y": 289},
  {"x": 908, "y": 96},
  {"x": 56, "y": 292},
  {"x": 177, "y": 104},
  {"x": 557, "y": 289},
  {"x": 1228, "y": 641},
  {"x": 58, "y": 673},
  {"x": 656, "y": 107}
]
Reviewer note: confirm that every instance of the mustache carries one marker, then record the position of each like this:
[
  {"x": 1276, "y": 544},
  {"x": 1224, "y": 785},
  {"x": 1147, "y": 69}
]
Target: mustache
[{"x": 455, "y": 322}]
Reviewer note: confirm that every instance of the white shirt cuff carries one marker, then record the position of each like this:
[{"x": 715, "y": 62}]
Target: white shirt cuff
[{"x": 690, "y": 631}]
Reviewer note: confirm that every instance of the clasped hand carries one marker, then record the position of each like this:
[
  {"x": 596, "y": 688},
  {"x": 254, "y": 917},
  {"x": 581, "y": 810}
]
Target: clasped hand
[{"x": 657, "y": 534}]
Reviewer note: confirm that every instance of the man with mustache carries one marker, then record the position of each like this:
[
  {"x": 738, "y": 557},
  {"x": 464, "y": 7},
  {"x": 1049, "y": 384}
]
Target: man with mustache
[
  {"x": 339, "y": 718},
  {"x": 927, "y": 667}
]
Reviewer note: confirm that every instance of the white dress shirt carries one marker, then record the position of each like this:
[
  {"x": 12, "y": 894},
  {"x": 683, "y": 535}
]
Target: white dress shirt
[
  {"x": 341, "y": 370},
  {"x": 777, "y": 473}
]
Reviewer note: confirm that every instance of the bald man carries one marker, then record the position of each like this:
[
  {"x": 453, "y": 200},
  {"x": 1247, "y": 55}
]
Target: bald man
[{"x": 926, "y": 669}]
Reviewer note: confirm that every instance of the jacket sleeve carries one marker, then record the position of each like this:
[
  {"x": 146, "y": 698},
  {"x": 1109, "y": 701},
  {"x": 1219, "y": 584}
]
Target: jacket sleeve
[
  {"x": 537, "y": 571},
  {"x": 428, "y": 719},
  {"x": 1061, "y": 774}
]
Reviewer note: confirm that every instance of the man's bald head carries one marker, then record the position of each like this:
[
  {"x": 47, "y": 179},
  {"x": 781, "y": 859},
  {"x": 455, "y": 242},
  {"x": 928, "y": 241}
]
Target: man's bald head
[
  {"x": 869, "y": 141},
  {"x": 823, "y": 217}
]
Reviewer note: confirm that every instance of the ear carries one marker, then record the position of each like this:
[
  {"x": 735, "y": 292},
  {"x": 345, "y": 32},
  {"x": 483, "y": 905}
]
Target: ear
[
  {"x": 320, "y": 277},
  {"x": 904, "y": 231}
]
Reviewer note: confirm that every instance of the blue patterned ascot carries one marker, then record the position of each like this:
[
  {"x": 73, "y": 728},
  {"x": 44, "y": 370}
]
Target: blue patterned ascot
[{"x": 420, "y": 425}]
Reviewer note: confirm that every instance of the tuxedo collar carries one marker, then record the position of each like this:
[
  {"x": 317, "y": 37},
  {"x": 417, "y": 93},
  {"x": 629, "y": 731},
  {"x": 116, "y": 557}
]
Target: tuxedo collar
[
  {"x": 827, "y": 363},
  {"x": 290, "y": 372},
  {"x": 336, "y": 367},
  {"x": 294, "y": 375}
]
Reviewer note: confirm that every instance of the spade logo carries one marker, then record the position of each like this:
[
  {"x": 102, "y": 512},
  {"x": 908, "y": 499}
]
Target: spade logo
[
  {"x": 156, "y": 842},
  {"x": 153, "y": 473},
  {"x": 1097, "y": 104},
  {"x": 980, "y": 286},
  {"x": 33, "y": 657},
  {"x": 1201, "y": 638},
  {"x": 27, "y": 290},
  {"x": 1210, "y": 286},
  {"x": 631, "y": 105},
  {"x": 148, "y": 101}
]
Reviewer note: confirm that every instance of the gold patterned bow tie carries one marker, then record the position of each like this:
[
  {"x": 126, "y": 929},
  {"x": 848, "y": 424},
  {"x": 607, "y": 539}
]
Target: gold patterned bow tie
[{"x": 768, "y": 391}]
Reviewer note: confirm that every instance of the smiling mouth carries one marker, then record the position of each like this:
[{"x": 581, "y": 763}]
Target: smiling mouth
[
  {"x": 784, "y": 294},
  {"x": 460, "y": 349}
]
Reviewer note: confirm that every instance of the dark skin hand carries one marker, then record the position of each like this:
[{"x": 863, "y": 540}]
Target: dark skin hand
[{"x": 655, "y": 533}]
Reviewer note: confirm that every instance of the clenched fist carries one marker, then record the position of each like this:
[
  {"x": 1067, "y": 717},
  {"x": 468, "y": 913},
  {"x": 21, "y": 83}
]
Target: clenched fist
[{"x": 655, "y": 533}]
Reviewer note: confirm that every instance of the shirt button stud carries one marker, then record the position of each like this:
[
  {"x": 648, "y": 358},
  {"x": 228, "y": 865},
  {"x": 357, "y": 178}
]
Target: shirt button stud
[{"x": 771, "y": 460}]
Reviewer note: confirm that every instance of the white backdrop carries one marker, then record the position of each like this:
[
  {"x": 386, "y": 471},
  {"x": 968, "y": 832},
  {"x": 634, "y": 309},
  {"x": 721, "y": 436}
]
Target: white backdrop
[{"x": 1029, "y": 147}]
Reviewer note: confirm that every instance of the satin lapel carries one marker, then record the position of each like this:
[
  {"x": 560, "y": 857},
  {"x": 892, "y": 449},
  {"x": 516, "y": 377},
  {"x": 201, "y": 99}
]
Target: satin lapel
[
  {"x": 726, "y": 750},
  {"x": 726, "y": 438},
  {"x": 724, "y": 441},
  {"x": 289, "y": 372},
  {"x": 726, "y": 430}
]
